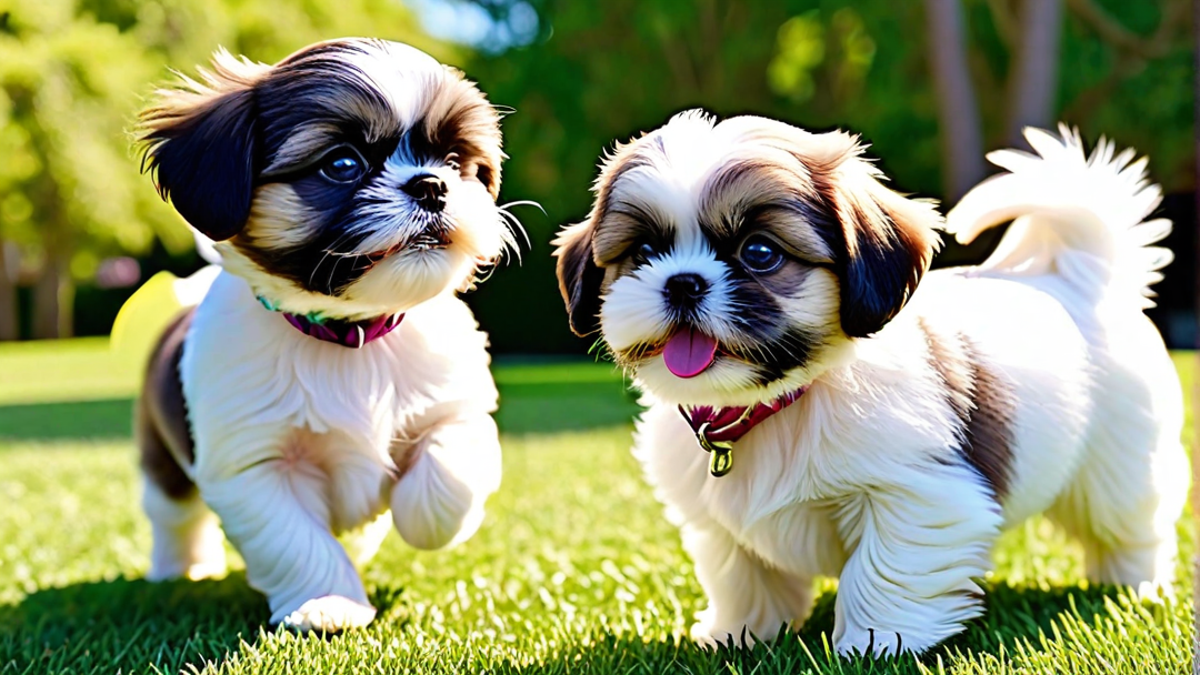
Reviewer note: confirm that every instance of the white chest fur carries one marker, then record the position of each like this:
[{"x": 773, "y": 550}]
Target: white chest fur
[{"x": 260, "y": 391}]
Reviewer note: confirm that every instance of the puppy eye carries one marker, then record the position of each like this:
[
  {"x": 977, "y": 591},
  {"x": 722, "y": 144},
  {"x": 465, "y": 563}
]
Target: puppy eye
[
  {"x": 644, "y": 252},
  {"x": 343, "y": 165},
  {"x": 761, "y": 255}
]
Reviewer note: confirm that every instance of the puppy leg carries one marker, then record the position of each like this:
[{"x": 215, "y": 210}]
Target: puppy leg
[
  {"x": 363, "y": 543},
  {"x": 275, "y": 512},
  {"x": 1123, "y": 506},
  {"x": 454, "y": 468},
  {"x": 914, "y": 551},
  {"x": 187, "y": 538},
  {"x": 746, "y": 597}
]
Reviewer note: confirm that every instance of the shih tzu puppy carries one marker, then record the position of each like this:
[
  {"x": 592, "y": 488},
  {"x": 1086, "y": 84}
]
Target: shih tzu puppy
[
  {"x": 819, "y": 405},
  {"x": 330, "y": 373}
]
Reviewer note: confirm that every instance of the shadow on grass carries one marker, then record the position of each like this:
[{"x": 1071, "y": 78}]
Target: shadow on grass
[
  {"x": 553, "y": 406},
  {"x": 133, "y": 625},
  {"x": 127, "y": 625},
  {"x": 1013, "y": 615},
  {"x": 525, "y": 408},
  {"x": 104, "y": 419}
]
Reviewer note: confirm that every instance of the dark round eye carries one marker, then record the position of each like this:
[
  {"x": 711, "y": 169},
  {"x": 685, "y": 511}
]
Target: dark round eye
[
  {"x": 761, "y": 255},
  {"x": 644, "y": 252},
  {"x": 343, "y": 165}
]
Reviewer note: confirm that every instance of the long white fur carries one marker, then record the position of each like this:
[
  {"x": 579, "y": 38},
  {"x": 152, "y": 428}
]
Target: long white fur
[
  {"x": 298, "y": 441},
  {"x": 860, "y": 479}
]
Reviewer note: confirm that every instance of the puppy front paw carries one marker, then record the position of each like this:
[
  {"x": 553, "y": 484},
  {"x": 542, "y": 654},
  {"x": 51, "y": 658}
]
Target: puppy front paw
[{"x": 330, "y": 614}]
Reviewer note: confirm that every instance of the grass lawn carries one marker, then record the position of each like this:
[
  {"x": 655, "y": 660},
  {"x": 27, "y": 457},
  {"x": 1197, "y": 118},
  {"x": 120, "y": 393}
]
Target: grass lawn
[{"x": 575, "y": 569}]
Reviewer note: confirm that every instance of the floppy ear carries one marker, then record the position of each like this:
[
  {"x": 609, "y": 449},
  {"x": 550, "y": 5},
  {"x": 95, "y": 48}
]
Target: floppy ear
[
  {"x": 579, "y": 277},
  {"x": 200, "y": 146},
  {"x": 888, "y": 242}
]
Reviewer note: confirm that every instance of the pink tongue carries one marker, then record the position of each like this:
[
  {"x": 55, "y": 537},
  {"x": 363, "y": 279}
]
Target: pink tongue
[{"x": 689, "y": 352}]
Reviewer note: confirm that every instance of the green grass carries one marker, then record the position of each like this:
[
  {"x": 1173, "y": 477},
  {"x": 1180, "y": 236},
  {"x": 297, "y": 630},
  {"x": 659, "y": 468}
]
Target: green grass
[{"x": 574, "y": 571}]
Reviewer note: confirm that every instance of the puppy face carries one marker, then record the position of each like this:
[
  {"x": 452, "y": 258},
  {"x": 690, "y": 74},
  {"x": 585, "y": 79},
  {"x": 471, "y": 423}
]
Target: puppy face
[
  {"x": 354, "y": 178},
  {"x": 730, "y": 263}
]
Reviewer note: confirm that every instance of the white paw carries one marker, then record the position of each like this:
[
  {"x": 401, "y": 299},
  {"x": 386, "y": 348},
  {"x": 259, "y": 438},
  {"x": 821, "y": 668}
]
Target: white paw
[
  {"x": 708, "y": 634},
  {"x": 871, "y": 642},
  {"x": 330, "y": 614},
  {"x": 1155, "y": 592}
]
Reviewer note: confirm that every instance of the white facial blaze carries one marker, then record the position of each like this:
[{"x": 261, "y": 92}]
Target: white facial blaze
[{"x": 670, "y": 181}]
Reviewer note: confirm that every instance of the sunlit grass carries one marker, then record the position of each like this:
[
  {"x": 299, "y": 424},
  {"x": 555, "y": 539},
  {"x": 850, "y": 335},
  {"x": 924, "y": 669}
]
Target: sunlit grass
[{"x": 575, "y": 570}]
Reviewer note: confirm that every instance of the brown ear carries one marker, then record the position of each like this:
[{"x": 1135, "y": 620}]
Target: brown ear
[
  {"x": 579, "y": 278},
  {"x": 200, "y": 145},
  {"x": 888, "y": 242}
]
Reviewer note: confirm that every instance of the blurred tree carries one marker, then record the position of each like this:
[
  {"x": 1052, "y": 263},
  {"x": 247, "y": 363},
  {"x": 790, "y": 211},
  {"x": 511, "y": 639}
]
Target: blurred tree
[
  {"x": 68, "y": 192},
  {"x": 1029, "y": 59},
  {"x": 72, "y": 76}
]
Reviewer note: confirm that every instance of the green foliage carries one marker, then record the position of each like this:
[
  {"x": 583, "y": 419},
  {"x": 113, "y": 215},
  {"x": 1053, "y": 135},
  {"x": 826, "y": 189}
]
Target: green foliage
[
  {"x": 73, "y": 74},
  {"x": 575, "y": 570}
]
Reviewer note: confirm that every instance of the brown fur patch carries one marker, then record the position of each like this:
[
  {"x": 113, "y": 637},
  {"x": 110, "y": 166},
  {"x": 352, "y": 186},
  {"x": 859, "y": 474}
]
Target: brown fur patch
[
  {"x": 579, "y": 277},
  {"x": 160, "y": 419},
  {"x": 984, "y": 403},
  {"x": 461, "y": 121}
]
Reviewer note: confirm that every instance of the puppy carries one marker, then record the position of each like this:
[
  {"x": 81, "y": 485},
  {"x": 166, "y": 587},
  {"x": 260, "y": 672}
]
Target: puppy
[
  {"x": 765, "y": 291},
  {"x": 329, "y": 374}
]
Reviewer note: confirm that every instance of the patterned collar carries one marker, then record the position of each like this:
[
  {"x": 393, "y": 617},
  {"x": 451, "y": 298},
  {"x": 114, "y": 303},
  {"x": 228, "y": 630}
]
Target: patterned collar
[
  {"x": 717, "y": 429},
  {"x": 352, "y": 334}
]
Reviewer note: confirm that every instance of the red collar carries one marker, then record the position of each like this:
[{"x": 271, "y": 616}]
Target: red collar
[
  {"x": 717, "y": 429},
  {"x": 352, "y": 334}
]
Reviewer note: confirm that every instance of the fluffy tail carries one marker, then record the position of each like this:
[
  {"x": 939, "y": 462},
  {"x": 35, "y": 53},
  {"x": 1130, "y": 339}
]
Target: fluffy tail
[
  {"x": 1075, "y": 216},
  {"x": 158, "y": 302}
]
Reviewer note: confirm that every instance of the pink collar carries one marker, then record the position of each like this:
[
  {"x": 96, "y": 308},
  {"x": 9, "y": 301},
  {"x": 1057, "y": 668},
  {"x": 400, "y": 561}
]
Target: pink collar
[
  {"x": 352, "y": 334},
  {"x": 717, "y": 429}
]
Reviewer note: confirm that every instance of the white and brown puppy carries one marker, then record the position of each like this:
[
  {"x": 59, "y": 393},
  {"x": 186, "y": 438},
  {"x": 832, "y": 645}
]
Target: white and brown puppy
[
  {"x": 329, "y": 374},
  {"x": 760, "y": 280}
]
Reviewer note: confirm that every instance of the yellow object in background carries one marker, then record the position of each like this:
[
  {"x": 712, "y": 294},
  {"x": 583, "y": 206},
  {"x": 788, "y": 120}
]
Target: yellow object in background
[{"x": 147, "y": 312}]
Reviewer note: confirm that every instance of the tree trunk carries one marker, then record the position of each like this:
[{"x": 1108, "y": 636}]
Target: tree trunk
[
  {"x": 1033, "y": 88},
  {"x": 8, "y": 291},
  {"x": 958, "y": 114},
  {"x": 54, "y": 298}
]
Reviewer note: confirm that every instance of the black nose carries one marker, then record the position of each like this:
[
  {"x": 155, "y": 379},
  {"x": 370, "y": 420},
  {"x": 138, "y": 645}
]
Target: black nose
[
  {"x": 684, "y": 291},
  {"x": 428, "y": 190}
]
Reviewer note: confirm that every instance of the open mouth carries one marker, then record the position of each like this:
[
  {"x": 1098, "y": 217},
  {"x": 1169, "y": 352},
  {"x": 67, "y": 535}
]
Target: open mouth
[{"x": 689, "y": 352}]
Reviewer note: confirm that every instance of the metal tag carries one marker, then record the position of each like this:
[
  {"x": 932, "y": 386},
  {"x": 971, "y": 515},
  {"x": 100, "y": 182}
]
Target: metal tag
[{"x": 721, "y": 461}]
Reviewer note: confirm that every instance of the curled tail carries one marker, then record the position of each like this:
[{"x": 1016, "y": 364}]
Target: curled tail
[{"x": 1075, "y": 216}]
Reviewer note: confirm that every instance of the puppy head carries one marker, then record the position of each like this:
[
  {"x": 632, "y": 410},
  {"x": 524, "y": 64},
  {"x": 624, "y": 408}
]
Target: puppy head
[
  {"x": 730, "y": 263},
  {"x": 354, "y": 178}
]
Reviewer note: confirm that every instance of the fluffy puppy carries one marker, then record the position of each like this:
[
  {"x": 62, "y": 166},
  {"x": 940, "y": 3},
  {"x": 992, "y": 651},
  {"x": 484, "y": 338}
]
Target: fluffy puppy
[
  {"x": 816, "y": 408},
  {"x": 329, "y": 374}
]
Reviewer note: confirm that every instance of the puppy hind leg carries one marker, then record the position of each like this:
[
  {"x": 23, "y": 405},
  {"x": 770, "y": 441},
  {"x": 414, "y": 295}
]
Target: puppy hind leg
[
  {"x": 186, "y": 537},
  {"x": 363, "y": 543},
  {"x": 1123, "y": 506}
]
